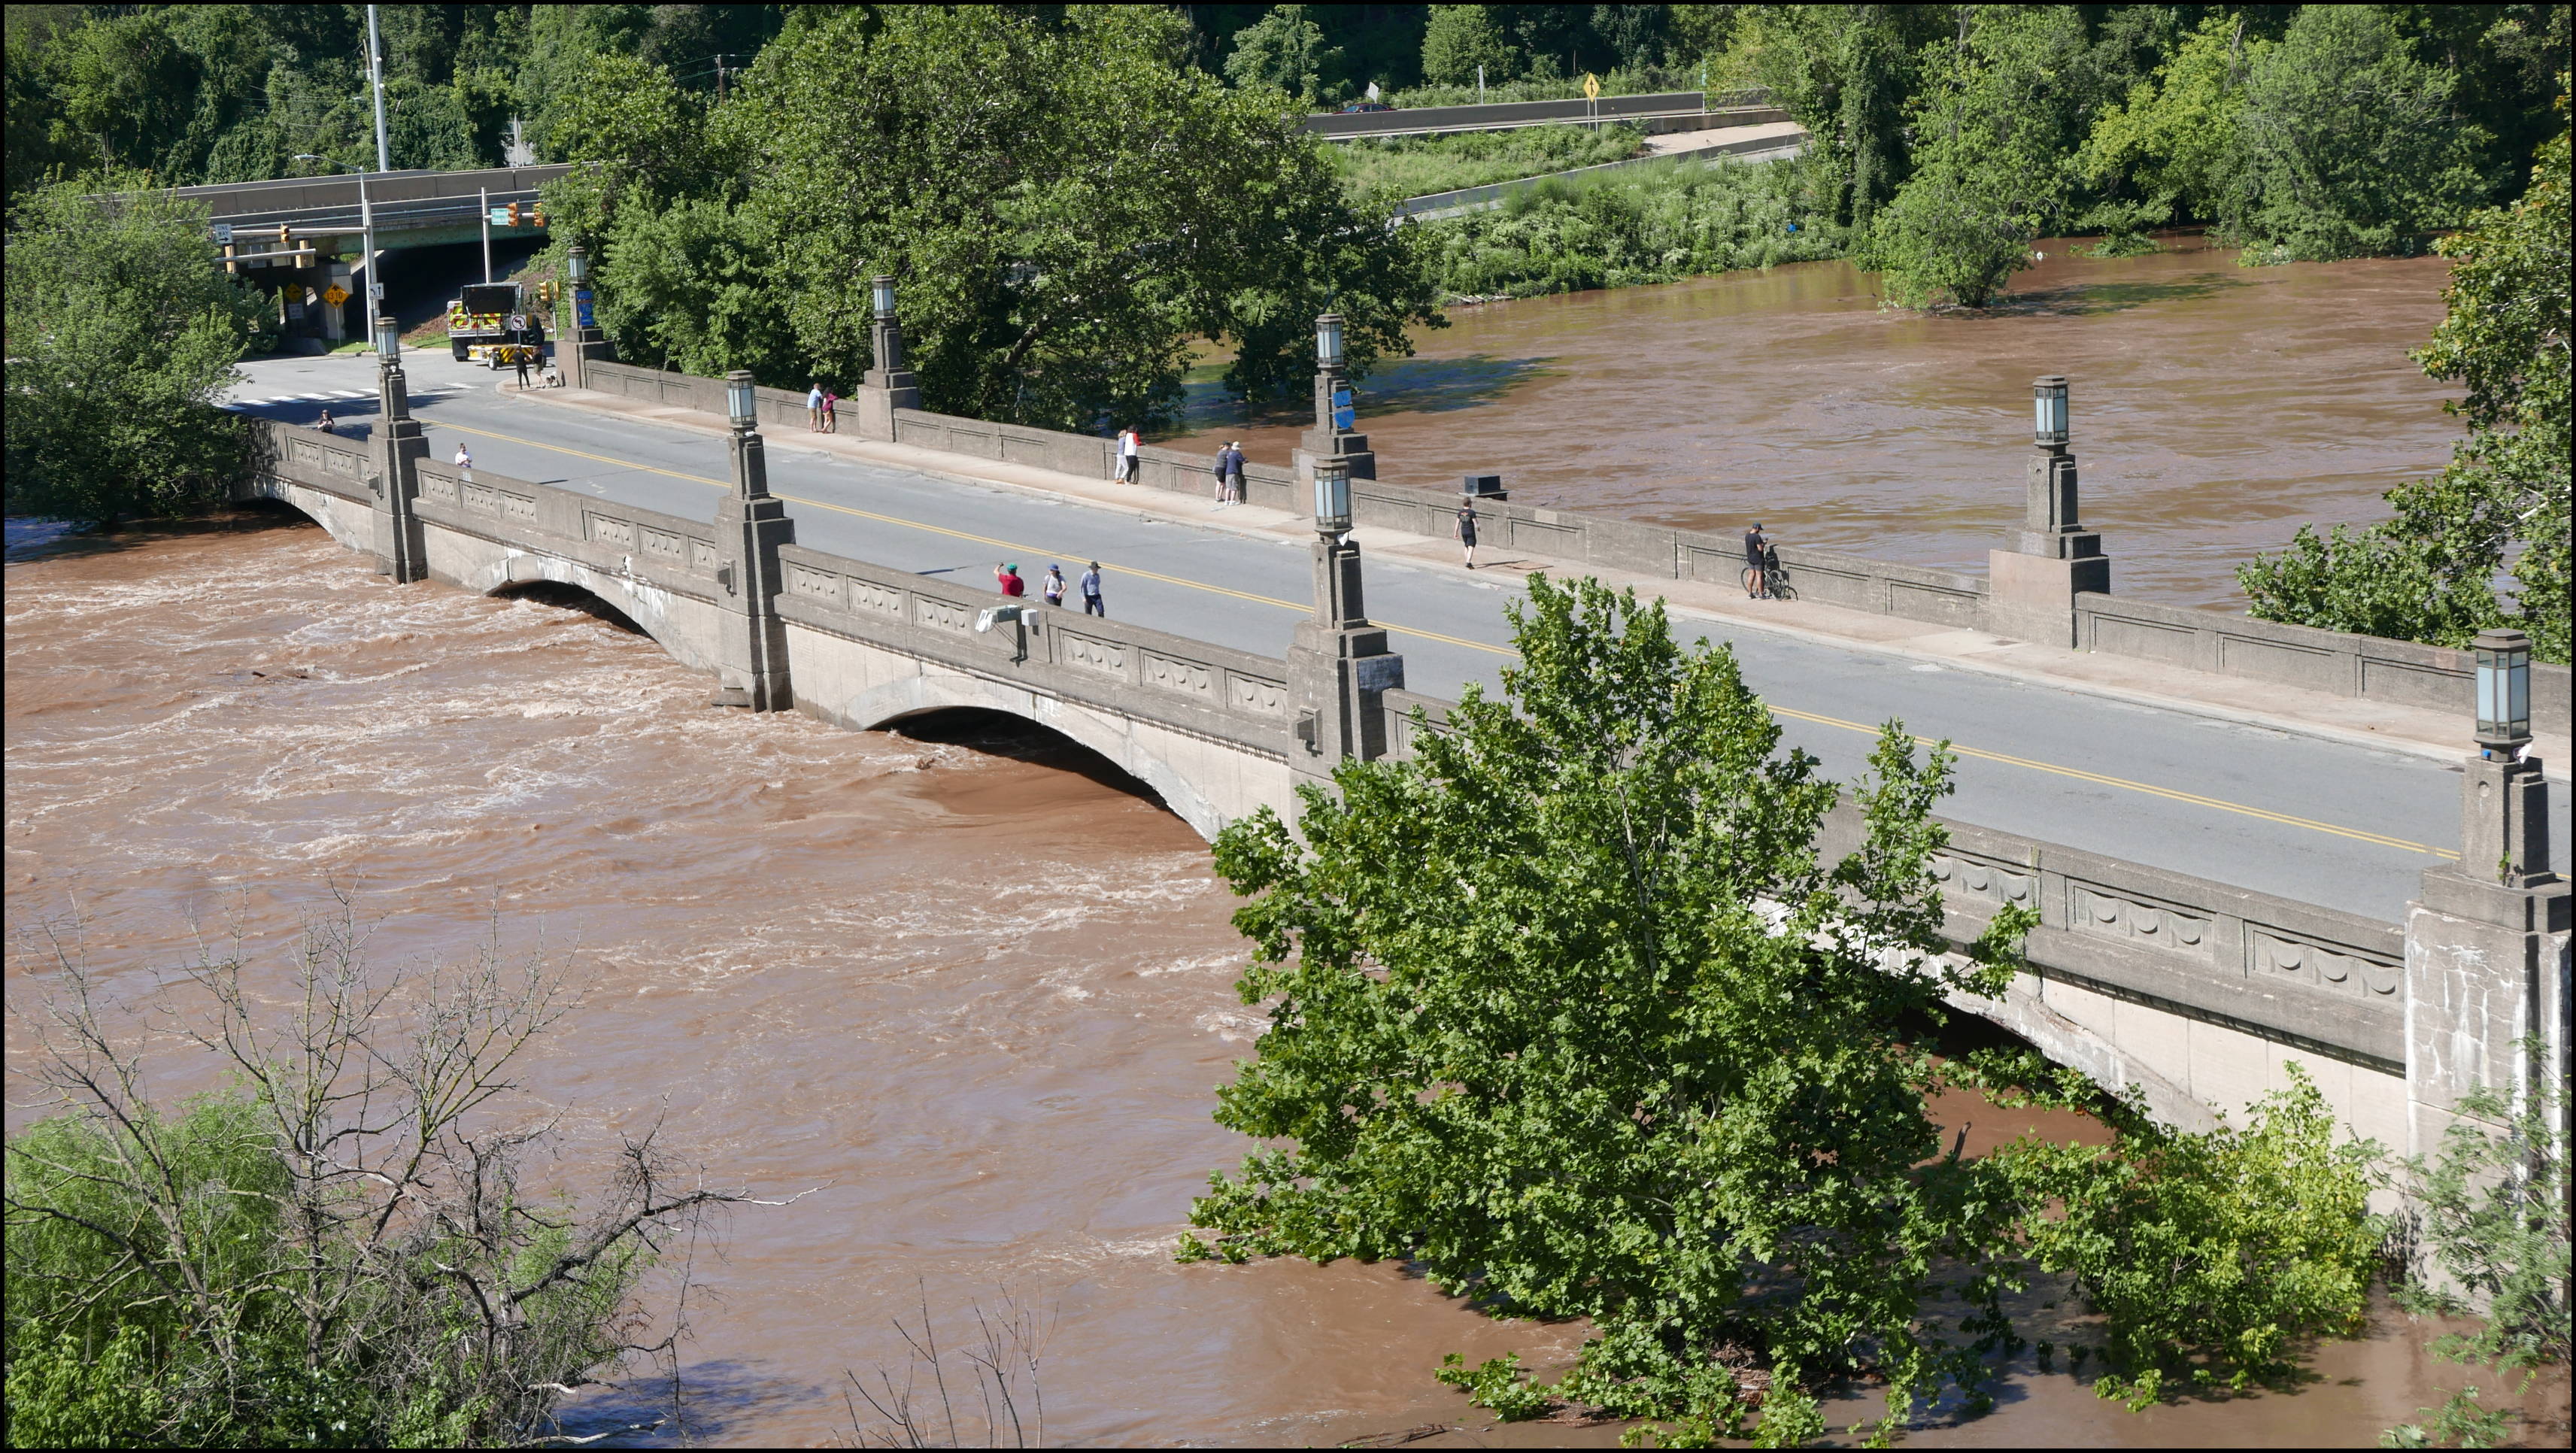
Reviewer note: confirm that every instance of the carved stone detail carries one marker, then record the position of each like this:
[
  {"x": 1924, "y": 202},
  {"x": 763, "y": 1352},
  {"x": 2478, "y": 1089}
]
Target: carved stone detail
[
  {"x": 703, "y": 558},
  {"x": 1992, "y": 882},
  {"x": 2271, "y": 955},
  {"x": 1107, "y": 657},
  {"x": 609, "y": 531},
  {"x": 2090, "y": 910},
  {"x": 883, "y": 599},
  {"x": 664, "y": 544},
  {"x": 1261, "y": 698},
  {"x": 1175, "y": 675},
  {"x": 820, "y": 584},
  {"x": 940, "y": 615}
]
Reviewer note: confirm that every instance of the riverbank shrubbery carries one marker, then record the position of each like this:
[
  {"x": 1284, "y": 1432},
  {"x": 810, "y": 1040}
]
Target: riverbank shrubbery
[
  {"x": 1414, "y": 166},
  {"x": 1648, "y": 224}
]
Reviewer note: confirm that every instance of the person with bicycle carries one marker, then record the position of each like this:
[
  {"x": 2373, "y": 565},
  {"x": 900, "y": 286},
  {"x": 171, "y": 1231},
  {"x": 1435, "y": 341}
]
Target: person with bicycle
[{"x": 1757, "y": 562}]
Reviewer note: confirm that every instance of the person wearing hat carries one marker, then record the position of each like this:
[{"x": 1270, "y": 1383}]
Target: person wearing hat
[
  {"x": 1091, "y": 605},
  {"x": 1757, "y": 553},
  {"x": 1053, "y": 585},
  {"x": 1007, "y": 576}
]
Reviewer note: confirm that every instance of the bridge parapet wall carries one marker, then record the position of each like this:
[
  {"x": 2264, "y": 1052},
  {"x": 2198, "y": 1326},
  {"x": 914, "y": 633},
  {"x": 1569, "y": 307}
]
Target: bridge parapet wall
[{"x": 1226, "y": 696}]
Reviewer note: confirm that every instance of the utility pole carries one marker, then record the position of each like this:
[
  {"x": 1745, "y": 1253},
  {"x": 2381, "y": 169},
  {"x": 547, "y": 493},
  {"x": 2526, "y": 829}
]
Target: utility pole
[
  {"x": 384, "y": 163},
  {"x": 485, "y": 211}
]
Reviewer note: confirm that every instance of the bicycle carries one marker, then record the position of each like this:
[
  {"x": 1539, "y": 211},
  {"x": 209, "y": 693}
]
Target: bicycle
[{"x": 1775, "y": 581}]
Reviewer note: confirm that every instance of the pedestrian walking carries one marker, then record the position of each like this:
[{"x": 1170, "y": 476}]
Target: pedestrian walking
[
  {"x": 324, "y": 423},
  {"x": 1007, "y": 576},
  {"x": 831, "y": 412},
  {"x": 1128, "y": 463},
  {"x": 1467, "y": 529},
  {"x": 1091, "y": 605},
  {"x": 1053, "y": 586},
  {"x": 521, "y": 356},
  {"x": 464, "y": 463},
  {"x": 814, "y": 408}
]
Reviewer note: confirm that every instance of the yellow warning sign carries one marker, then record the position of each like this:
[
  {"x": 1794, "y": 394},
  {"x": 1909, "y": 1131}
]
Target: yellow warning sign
[
  {"x": 1591, "y": 87},
  {"x": 335, "y": 295}
]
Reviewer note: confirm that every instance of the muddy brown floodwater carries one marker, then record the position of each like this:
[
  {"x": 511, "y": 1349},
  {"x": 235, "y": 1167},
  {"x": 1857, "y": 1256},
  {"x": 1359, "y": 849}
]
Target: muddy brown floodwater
[
  {"x": 978, "y": 997},
  {"x": 2216, "y": 408}
]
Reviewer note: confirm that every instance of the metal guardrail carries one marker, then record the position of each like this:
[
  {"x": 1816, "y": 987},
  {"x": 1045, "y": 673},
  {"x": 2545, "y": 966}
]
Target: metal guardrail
[
  {"x": 1504, "y": 115},
  {"x": 1491, "y": 194}
]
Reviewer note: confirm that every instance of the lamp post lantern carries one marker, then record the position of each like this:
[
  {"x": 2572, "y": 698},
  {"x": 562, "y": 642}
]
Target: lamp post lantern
[
  {"x": 1332, "y": 496},
  {"x": 577, "y": 265},
  {"x": 2504, "y": 692},
  {"x": 388, "y": 343},
  {"x": 2048, "y": 397},
  {"x": 742, "y": 404},
  {"x": 1336, "y": 433},
  {"x": 1328, "y": 341}
]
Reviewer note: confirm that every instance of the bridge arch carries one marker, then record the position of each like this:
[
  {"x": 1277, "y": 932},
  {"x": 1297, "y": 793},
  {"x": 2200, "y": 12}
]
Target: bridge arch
[
  {"x": 1114, "y": 739},
  {"x": 648, "y": 609}
]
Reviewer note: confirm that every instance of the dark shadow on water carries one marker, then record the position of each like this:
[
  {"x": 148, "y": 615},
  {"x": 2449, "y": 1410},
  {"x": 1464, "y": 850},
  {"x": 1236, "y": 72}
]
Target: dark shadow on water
[
  {"x": 2087, "y": 300},
  {"x": 1398, "y": 385},
  {"x": 715, "y": 1399},
  {"x": 35, "y": 539},
  {"x": 1000, "y": 734},
  {"x": 569, "y": 597}
]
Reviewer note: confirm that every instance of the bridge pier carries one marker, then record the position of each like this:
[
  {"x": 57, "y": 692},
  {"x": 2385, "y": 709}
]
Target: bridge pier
[
  {"x": 751, "y": 523},
  {"x": 402, "y": 545},
  {"x": 2487, "y": 958},
  {"x": 1339, "y": 671}
]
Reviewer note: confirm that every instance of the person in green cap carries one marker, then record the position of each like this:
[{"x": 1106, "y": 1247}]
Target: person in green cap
[{"x": 1007, "y": 576}]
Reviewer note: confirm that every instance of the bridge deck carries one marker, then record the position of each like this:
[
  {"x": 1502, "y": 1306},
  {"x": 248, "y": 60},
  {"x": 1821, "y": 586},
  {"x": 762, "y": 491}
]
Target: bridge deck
[{"x": 2318, "y": 821}]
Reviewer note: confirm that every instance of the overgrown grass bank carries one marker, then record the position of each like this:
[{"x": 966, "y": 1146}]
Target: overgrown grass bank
[
  {"x": 1649, "y": 224},
  {"x": 1414, "y": 166}
]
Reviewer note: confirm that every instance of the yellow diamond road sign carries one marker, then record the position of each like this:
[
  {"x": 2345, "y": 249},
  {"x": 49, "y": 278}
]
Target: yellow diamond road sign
[
  {"x": 1591, "y": 87},
  {"x": 335, "y": 295}
]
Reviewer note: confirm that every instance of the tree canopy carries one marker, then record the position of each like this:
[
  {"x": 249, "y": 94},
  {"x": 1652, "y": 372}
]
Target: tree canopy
[
  {"x": 122, "y": 334},
  {"x": 1066, "y": 206}
]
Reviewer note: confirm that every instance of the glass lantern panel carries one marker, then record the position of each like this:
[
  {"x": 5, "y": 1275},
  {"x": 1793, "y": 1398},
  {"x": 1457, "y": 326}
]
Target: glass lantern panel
[{"x": 2517, "y": 703}]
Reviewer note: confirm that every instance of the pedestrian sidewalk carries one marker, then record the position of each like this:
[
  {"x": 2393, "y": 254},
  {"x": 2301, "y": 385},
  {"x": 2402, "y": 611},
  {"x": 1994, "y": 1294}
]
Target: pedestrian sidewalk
[{"x": 2444, "y": 736}]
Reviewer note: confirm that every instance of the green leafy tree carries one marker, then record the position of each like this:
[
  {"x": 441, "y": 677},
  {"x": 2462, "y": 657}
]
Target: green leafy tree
[
  {"x": 2350, "y": 146},
  {"x": 2212, "y": 1254},
  {"x": 1059, "y": 242},
  {"x": 2490, "y": 1215},
  {"x": 1845, "y": 73},
  {"x": 2167, "y": 152},
  {"x": 122, "y": 333},
  {"x": 2429, "y": 574},
  {"x": 1462, "y": 45},
  {"x": 1574, "y": 1012},
  {"x": 1286, "y": 50},
  {"x": 1991, "y": 133}
]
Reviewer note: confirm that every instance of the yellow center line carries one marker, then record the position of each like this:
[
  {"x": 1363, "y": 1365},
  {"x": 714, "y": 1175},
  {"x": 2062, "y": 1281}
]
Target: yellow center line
[{"x": 1017, "y": 547}]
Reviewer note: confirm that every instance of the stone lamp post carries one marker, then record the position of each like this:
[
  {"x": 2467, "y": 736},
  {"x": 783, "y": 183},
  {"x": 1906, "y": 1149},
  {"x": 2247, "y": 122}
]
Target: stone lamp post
[
  {"x": 2032, "y": 589},
  {"x": 2487, "y": 943},
  {"x": 1335, "y": 435},
  {"x": 890, "y": 385},
  {"x": 1339, "y": 667},
  {"x": 402, "y": 547},
  {"x": 751, "y": 523},
  {"x": 574, "y": 343}
]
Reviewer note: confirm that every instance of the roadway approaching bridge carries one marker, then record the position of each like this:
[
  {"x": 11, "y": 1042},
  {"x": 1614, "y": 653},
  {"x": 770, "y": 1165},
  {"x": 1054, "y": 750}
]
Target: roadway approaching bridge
[{"x": 837, "y": 599}]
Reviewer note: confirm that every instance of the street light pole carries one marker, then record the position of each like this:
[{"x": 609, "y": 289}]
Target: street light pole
[
  {"x": 751, "y": 525},
  {"x": 376, "y": 74}
]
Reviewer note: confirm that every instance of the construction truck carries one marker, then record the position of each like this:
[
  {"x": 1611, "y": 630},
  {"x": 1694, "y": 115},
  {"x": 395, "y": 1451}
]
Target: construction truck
[{"x": 494, "y": 323}]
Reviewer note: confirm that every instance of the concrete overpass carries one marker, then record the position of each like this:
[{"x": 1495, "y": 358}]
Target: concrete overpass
[
  {"x": 301, "y": 236},
  {"x": 2195, "y": 988}
]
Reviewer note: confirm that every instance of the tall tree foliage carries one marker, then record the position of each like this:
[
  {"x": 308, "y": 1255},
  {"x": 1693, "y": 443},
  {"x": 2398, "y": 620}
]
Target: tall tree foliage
[
  {"x": 2350, "y": 145},
  {"x": 2502, "y": 505},
  {"x": 122, "y": 334},
  {"x": 1065, "y": 204},
  {"x": 1574, "y": 1010}
]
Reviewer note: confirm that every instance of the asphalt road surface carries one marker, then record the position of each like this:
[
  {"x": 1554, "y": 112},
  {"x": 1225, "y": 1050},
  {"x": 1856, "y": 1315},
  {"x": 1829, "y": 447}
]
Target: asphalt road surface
[{"x": 2338, "y": 824}]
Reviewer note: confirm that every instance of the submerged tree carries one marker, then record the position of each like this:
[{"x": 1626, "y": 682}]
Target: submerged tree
[
  {"x": 1574, "y": 1011},
  {"x": 344, "y": 1249}
]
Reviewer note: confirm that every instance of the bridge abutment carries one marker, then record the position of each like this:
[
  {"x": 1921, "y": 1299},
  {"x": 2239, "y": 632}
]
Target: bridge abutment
[
  {"x": 751, "y": 656},
  {"x": 402, "y": 545}
]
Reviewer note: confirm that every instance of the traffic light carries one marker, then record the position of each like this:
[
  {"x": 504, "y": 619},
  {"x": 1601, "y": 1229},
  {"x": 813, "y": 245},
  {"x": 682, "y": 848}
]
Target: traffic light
[
  {"x": 541, "y": 219},
  {"x": 514, "y": 214}
]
